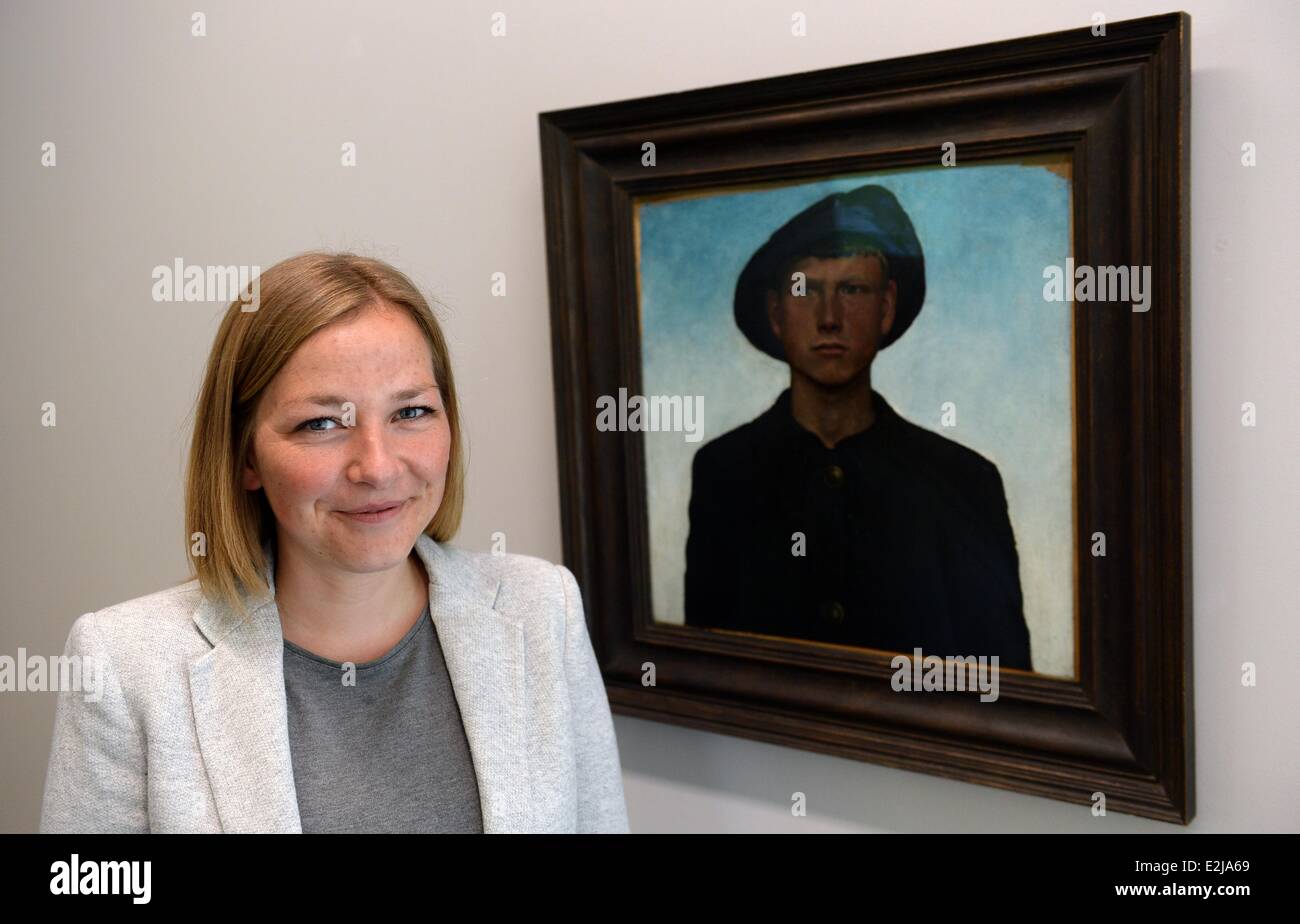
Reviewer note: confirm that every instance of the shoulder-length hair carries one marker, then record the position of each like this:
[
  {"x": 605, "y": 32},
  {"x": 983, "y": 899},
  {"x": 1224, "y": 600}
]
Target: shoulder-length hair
[{"x": 295, "y": 298}]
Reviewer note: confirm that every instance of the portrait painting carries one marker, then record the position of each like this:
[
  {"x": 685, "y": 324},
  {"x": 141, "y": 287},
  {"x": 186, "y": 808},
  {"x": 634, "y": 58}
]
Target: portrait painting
[
  {"x": 883, "y": 455},
  {"x": 872, "y": 380}
]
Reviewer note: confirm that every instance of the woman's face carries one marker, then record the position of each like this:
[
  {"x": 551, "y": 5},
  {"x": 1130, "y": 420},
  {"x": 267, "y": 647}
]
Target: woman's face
[{"x": 319, "y": 459}]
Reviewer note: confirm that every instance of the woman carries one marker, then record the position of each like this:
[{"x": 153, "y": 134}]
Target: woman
[{"x": 335, "y": 666}]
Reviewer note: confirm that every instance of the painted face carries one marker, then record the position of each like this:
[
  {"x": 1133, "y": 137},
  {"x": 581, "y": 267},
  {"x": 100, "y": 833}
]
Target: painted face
[
  {"x": 832, "y": 332},
  {"x": 318, "y": 471}
]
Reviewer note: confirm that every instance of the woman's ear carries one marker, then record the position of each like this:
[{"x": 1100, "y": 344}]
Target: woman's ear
[{"x": 252, "y": 480}]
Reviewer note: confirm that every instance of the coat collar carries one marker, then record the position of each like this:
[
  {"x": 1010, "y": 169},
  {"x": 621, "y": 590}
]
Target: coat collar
[
  {"x": 240, "y": 712},
  {"x": 779, "y": 422}
]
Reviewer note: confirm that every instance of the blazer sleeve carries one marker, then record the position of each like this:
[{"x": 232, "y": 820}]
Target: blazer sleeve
[
  {"x": 601, "y": 805},
  {"x": 96, "y": 779}
]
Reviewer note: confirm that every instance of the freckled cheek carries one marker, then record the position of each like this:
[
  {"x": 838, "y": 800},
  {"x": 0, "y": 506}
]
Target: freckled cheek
[
  {"x": 434, "y": 455},
  {"x": 300, "y": 478}
]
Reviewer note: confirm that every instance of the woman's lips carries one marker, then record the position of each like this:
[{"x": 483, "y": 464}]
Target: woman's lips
[{"x": 377, "y": 516}]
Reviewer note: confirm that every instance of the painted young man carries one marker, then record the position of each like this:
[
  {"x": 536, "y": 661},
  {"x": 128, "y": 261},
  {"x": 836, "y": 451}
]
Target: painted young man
[{"x": 829, "y": 517}]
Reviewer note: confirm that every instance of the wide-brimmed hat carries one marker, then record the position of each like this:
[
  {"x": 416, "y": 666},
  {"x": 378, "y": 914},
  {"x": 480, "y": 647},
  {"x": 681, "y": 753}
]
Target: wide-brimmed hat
[{"x": 869, "y": 216}]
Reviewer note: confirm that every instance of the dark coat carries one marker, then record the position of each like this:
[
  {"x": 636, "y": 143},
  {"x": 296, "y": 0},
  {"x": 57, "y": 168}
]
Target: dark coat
[{"x": 907, "y": 539}]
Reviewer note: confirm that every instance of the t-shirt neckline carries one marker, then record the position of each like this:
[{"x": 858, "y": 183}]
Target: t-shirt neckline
[{"x": 365, "y": 665}]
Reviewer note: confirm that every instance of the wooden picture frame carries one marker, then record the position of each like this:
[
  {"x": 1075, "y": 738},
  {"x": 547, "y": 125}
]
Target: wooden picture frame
[{"x": 1118, "y": 105}]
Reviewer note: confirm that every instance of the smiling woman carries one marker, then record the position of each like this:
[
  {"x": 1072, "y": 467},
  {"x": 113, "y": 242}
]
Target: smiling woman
[
  {"x": 337, "y": 394},
  {"x": 351, "y": 671}
]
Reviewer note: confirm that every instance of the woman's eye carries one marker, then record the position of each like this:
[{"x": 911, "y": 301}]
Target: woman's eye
[
  {"x": 421, "y": 407},
  {"x": 308, "y": 425}
]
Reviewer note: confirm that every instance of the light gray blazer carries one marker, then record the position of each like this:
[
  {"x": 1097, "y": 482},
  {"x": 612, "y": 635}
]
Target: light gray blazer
[{"x": 190, "y": 733}]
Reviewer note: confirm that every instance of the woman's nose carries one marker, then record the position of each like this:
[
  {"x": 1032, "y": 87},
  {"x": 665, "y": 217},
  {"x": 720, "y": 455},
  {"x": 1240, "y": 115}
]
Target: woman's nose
[{"x": 373, "y": 458}]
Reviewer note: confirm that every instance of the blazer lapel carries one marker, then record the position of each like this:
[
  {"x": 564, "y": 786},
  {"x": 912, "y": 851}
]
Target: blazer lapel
[
  {"x": 484, "y": 651},
  {"x": 241, "y": 717}
]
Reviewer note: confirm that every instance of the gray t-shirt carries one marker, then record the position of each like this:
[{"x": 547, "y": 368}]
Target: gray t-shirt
[{"x": 388, "y": 755}]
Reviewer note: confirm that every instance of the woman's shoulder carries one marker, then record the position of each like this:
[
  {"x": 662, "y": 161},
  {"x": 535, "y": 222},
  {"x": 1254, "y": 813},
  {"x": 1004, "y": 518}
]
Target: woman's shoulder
[
  {"x": 526, "y": 584},
  {"x": 157, "y": 619},
  {"x": 171, "y": 604},
  {"x": 506, "y": 565}
]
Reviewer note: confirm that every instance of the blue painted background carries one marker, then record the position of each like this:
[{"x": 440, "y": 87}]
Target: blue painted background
[{"x": 985, "y": 340}]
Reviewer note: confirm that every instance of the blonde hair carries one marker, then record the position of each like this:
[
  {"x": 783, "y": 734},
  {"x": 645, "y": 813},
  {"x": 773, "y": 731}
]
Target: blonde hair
[{"x": 296, "y": 298}]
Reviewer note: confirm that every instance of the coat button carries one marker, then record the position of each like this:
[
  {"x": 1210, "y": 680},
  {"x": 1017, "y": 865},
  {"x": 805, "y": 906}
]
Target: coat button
[
  {"x": 833, "y": 612},
  {"x": 834, "y": 476}
]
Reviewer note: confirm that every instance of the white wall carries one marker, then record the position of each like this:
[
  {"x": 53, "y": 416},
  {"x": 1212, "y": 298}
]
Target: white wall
[{"x": 225, "y": 150}]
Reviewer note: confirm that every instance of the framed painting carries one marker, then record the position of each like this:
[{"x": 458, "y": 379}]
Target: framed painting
[{"x": 872, "y": 409}]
